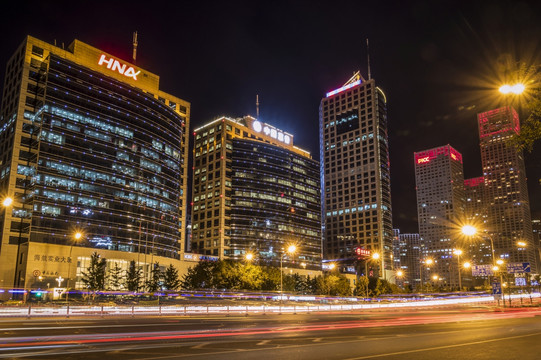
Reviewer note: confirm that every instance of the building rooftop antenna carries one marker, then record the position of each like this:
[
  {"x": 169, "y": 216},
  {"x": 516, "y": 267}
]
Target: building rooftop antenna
[
  {"x": 134, "y": 47},
  {"x": 368, "y": 56},
  {"x": 257, "y": 106}
]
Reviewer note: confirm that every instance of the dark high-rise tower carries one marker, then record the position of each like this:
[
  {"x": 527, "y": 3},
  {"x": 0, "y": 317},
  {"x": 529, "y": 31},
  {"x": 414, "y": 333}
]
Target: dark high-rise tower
[
  {"x": 508, "y": 206},
  {"x": 355, "y": 174}
]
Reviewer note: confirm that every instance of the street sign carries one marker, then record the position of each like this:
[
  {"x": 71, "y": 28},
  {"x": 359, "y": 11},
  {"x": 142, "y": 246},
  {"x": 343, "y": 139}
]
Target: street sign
[
  {"x": 482, "y": 270},
  {"x": 517, "y": 267},
  {"x": 496, "y": 287},
  {"x": 360, "y": 252}
]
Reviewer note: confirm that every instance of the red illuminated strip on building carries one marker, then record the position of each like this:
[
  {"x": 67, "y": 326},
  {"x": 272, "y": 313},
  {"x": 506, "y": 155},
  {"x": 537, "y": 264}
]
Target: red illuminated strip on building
[
  {"x": 424, "y": 157},
  {"x": 509, "y": 122},
  {"x": 474, "y": 181}
]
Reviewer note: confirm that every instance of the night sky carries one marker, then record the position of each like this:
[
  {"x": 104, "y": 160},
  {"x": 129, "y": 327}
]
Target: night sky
[{"x": 439, "y": 63}]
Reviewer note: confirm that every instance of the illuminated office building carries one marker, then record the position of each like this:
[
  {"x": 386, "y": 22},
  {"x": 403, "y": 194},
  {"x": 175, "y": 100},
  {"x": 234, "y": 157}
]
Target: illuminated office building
[
  {"x": 89, "y": 143},
  {"x": 406, "y": 257},
  {"x": 508, "y": 206},
  {"x": 355, "y": 174},
  {"x": 254, "y": 191},
  {"x": 439, "y": 179}
]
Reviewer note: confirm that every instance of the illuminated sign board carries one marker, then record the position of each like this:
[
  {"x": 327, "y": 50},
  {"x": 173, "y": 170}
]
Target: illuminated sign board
[
  {"x": 343, "y": 88},
  {"x": 429, "y": 155},
  {"x": 271, "y": 131},
  {"x": 115, "y": 65},
  {"x": 362, "y": 252}
]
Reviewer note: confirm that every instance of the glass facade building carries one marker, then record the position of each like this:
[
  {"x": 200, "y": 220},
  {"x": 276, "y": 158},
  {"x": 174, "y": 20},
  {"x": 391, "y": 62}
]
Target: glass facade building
[
  {"x": 89, "y": 144},
  {"x": 254, "y": 191}
]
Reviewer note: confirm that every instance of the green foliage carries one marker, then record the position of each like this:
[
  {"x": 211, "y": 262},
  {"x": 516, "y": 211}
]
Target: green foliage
[
  {"x": 94, "y": 277},
  {"x": 271, "y": 279},
  {"x": 333, "y": 285},
  {"x": 530, "y": 128},
  {"x": 116, "y": 278},
  {"x": 154, "y": 283},
  {"x": 201, "y": 276},
  {"x": 171, "y": 280},
  {"x": 133, "y": 277},
  {"x": 361, "y": 288}
]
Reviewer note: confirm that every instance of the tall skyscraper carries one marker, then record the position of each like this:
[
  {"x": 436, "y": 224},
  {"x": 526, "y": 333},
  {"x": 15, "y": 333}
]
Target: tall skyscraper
[
  {"x": 90, "y": 144},
  {"x": 355, "y": 174},
  {"x": 508, "y": 206},
  {"x": 254, "y": 191},
  {"x": 439, "y": 178}
]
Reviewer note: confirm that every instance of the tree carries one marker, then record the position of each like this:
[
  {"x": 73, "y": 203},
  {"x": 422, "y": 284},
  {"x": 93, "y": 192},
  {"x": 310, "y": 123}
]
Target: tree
[
  {"x": 116, "y": 278},
  {"x": 133, "y": 277},
  {"x": 94, "y": 277},
  {"x": 361, "y": 288},
  {"x": 333, "y": 285},
  {"x": 170, "y": 279},
  {"x": 530, "y": 128},
  {"x": 154, "y": 283},
  {"x": 201, "y": 276}
]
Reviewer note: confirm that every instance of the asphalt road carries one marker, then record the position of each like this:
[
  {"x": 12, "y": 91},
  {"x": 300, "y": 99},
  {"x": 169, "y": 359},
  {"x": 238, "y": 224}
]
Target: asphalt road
[{"x": 466, "y": 333}]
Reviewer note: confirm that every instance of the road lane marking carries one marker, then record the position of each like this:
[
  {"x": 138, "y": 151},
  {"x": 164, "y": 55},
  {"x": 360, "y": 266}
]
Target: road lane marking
[{"x": 442, "y": 347}]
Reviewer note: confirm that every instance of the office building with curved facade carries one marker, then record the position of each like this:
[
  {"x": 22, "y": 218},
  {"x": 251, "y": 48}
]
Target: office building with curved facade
[
  {"x": 254, "y": 191},
  {"x": 90, "y": 144}
]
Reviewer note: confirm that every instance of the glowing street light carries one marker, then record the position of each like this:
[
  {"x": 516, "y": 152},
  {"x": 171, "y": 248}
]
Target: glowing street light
[
  {"x": 521, "y": 244},
  {"x": 426, "y": 262},
  {"x": 466, "y": 265},
  {"x": 291, "y": 249},
  {"x": 399, "y": 273},
  {"x": 458, "y": 252},
  {"x": 7, "y": 201},
  {"x": 77, "y": 236},
  {"x": 249, "y": 256},
  {"x": 516, "y": 89}
]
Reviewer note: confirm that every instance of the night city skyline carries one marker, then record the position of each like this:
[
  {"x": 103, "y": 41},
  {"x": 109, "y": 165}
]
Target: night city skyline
[
  {"x": 270, "y": 179},
  {"x": 438, "y": 65}
]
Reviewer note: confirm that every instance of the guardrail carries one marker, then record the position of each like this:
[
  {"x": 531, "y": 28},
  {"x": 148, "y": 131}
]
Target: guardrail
[{"x": 185, "y": 310}]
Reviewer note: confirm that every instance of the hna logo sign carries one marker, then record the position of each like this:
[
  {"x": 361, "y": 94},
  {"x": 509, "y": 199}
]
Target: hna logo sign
[{"x": 115, "y": 65}]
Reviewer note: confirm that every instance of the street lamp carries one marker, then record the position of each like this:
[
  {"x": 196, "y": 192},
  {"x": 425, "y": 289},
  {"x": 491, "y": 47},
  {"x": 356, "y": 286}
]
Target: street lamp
[
  {"x": 291, "y": 249},
  {"x": 426, "y": 262},
  {"x": 458, "y": 252},
  {"x": 7, "y": 201},
  {"x": 516, "y": 89},
  {"x": 78, "y": 235},
  {"x": 470, "y": 230},
  {"x": 249, "y": 256}
]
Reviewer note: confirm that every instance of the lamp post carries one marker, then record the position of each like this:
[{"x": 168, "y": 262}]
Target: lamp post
[
  {"x": 427, "y": 262},
  {"x": 458, "y": 252},
  {"x": 76, "y": 237},
  {"x": 470, "y": 230},
  {"x": 290, "y": 250}
]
